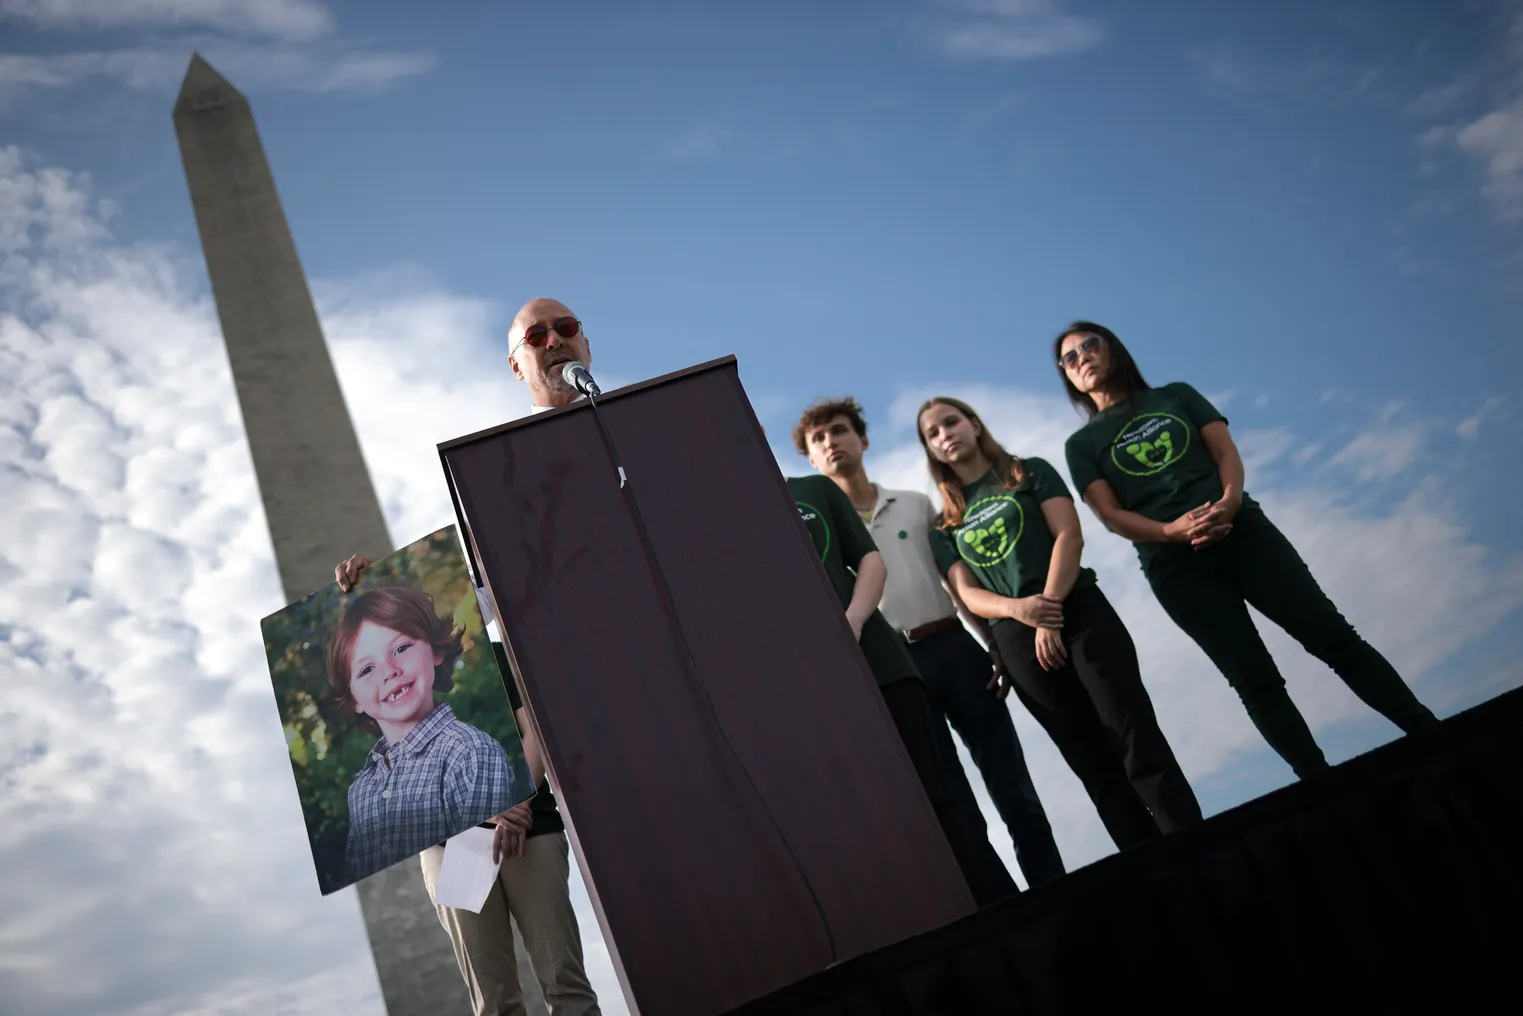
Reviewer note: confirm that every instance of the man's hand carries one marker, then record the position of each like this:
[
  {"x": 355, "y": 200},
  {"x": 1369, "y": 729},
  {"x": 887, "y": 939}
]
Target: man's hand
[
  {"x": 1039, "y": 611},
  {"x": 348, "y": 573},
  {"x": 1050, "y": 652},
  {"x": 999, "y": 682},
  {"x": 513, "y": 827}
]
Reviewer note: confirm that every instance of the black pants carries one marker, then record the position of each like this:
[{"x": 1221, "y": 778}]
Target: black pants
[
  {"x": 1207, "y": 593},
  {"x": 1099, "y": 715},
  {"x": 910, "y": 706},
  {"x": 956, "y": 671}
]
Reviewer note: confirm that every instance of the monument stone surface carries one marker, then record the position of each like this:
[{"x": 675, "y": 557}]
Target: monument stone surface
[{"x": 318, "y": 498}]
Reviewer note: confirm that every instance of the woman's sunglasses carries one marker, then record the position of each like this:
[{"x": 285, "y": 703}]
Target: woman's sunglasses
[
  {"x": 538, "y": 335},
  {"x": 1071, "y": 358}
]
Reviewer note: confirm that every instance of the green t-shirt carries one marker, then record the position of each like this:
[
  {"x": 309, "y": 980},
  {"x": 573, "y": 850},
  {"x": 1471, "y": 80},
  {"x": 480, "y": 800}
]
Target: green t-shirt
[
  {"x": 547, "y": 817},
  {"x": 842, "y": 541},
  {"x": 1151, "y": 453},
  {"x": 1004, "y": 537}
]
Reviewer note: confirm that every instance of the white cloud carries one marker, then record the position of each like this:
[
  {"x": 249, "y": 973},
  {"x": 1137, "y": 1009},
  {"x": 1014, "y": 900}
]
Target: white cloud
[
  {"x": 152, "y": 855},
  {"x": 291, "y": 19},
  {"x": 1262, "y": 400},
  {"x": 1229, "y": 71},
  {"x": 1492, "y": 139},
  {"x": 1261, "y": 449},
  {"x": 284, "y": 45},
  {"x": 1495, "y": 140},
  {"x": 1410, "y": 577},
  {"x": 159, "y": 70},
  {"x": 1221, "y": 400},
  {"x": 1013, "y": 30},
  {"x": 1444, "y": 99},
  {"x": 1381, "y": 453},
  {"x": 1489, "y": 411}
]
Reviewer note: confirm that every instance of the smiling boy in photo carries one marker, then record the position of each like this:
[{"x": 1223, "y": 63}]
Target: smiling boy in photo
[{"x": 430, "y": 775}]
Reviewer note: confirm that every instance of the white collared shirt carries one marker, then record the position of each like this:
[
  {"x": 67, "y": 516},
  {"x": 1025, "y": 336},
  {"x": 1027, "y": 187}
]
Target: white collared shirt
[
  {"x": 546, "y": 409},
  {"x": 901, "y": 527}
]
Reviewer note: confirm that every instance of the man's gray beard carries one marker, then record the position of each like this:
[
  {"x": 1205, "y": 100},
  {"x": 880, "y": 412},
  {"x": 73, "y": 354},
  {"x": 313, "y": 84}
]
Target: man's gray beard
[{"x": 554, "y": 382}]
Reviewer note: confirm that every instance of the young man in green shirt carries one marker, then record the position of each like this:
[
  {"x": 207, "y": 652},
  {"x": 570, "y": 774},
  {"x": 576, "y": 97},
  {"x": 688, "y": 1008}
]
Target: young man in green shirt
[
  {"x": 917, "y": 604},
  {"x": 1159, "y": 467},
  {"x": 857, "y": 573}
]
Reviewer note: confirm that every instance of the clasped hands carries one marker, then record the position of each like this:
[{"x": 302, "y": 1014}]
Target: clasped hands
[
  {"x": 1045, "y": 614},
  {"x": 1208, "y": 524}
]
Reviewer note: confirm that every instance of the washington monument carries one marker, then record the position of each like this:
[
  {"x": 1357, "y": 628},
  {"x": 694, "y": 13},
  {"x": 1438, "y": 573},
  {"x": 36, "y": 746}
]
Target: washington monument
[{"x": 318, "y": 498}]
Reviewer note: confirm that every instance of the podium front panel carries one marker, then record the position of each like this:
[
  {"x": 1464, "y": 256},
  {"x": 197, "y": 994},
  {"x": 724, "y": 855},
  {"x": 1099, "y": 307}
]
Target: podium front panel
[{"x": 697, "y": 788}]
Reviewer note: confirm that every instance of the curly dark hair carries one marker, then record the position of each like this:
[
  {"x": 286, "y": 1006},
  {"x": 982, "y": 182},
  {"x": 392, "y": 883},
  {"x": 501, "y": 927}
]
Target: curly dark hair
[
  {"x": 823, "y": 412},
  {"x": 400, "y": 608}
]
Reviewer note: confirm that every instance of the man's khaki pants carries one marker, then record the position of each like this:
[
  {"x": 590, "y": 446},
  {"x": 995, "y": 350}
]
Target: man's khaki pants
[{"x": 533, "y": 889}]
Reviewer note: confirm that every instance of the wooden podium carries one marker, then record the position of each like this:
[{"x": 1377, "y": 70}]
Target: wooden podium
[{"x": 710, "y": 799}]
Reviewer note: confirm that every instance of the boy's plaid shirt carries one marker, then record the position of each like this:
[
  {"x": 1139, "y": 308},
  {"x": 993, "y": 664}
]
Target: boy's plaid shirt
[{"x": 442, "y": 778}]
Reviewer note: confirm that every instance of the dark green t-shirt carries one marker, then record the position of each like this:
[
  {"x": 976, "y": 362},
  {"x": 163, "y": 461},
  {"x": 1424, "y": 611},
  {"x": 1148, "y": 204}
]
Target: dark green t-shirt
[
  {"x": 547, "y": 817},
  {"x": 842, "y": 541},
  {"x": 1151, "y": 453},
  {"x": 1004, "y": 537}
]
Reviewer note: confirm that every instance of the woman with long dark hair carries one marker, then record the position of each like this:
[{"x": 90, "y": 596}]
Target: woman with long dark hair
[
  {"x": 1009, "y": 542},
  {"x": 1159, "y": 467}
]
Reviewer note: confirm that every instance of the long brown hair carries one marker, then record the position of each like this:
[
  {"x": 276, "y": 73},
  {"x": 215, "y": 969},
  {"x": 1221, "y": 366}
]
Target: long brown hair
[
  {"x": 400, "y": 608},
  {"x": 1009, "y": 468}
]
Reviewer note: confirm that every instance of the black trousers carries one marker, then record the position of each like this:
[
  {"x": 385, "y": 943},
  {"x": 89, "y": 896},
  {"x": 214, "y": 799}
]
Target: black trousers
[
  {"x": 1099, "y": 715},
  {"x": 1208, "y": 592},
  {"x": 910, "y": 706},
  {"x": 957, "y": 671}
]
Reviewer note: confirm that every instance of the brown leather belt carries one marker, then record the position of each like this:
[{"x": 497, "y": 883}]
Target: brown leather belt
[{"x": 930, "y": 628}]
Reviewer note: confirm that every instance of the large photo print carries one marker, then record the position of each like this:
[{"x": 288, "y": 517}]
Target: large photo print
[{"x": 395, "y": 712}]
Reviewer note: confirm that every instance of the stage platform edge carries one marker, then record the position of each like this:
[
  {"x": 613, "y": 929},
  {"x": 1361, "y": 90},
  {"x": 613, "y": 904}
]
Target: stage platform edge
[{"x": 1391, "y": 883}]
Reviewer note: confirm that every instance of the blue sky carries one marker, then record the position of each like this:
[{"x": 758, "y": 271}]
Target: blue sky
[{"x": 1311, "y": 212}]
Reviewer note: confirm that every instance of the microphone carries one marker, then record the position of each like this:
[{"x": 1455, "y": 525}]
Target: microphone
[{"x": 580, "y": 378}]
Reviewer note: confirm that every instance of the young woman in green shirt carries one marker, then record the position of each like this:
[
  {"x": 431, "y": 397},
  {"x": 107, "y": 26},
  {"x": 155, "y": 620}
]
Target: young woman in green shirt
[
  {"x": 1008, "y": 541},
  {"x": 1159, "y": 467}
]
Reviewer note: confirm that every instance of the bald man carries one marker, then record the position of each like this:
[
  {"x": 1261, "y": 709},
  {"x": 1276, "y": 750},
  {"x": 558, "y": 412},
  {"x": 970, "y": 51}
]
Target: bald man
[
  {"x": 544, "y": 337},
  {"x": 533, "y": 882}
]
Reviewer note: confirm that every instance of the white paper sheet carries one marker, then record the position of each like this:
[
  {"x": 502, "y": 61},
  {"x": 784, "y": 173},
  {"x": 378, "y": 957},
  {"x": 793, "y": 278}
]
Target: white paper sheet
[{"x": 467, "y": 871}]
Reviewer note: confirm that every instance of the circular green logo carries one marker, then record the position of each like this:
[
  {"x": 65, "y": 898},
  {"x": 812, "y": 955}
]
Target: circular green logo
[
  {"x": 818, "y": 528},
  {"x": 903, "y": 535},
  {"x": 990, "y": 530},
  {"x": 1150, "y": 443}
]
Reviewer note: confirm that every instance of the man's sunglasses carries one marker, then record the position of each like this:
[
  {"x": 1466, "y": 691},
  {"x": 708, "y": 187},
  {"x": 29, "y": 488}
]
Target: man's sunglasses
[
  {"x": 1071, "y": 358},
  {"x": 538, "y": 335}
]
